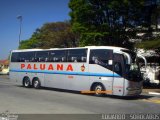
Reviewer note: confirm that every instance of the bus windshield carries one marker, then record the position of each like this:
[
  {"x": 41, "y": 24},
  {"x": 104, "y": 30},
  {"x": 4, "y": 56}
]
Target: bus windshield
[{"x": 133, "y": 69}]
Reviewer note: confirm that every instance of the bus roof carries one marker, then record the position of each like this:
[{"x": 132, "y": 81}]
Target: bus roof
[
  {"x": 25, "y": 50},
  {"x": 89, "y": 47}
]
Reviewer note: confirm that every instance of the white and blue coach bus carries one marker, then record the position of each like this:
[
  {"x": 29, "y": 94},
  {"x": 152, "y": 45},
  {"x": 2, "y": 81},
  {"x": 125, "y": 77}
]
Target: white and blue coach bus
[{"x": 93, "y": 69}]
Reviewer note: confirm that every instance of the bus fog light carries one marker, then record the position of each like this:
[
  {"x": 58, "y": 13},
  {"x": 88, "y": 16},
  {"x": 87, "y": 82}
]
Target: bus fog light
[{"x": 129, "y": 88}]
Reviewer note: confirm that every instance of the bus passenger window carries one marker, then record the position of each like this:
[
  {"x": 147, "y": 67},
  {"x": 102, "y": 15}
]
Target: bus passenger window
[
  {"x": 15, "y": 57},
  {"x": 42, "y": 56},
  {"x": 74, "y": 59},
  {"x": 100, "y": 56},
  {"x": 26, "y": 56},
  {"x": 95, "y": 60},
  {"x": 55, "y": 59},
  {"x": 57, "y": 56},
  {"x": 83, "y": 59},
  {"x": 77, "y": 55},
  {"x": 32, "y": 59},
  {"x": 63, "y": 59}
]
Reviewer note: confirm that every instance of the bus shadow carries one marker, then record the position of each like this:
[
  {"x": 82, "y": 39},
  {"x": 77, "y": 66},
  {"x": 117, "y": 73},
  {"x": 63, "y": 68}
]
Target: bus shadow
[
  {"x": 51, "y": 89},
  {"x": 139, "y": 97},
  {"x": 60, "y": 90}
]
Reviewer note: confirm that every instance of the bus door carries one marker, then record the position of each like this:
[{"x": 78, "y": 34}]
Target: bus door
[
  {"x": 119, "y": 73},
  {"x": 101, "y": 68}
]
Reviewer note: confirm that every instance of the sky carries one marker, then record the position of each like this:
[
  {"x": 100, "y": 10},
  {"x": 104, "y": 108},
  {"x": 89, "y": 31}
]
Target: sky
[{"x": 35, "y": 13}]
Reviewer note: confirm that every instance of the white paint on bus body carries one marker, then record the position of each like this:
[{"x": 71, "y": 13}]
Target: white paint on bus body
[{"x": 74, "y": 75}]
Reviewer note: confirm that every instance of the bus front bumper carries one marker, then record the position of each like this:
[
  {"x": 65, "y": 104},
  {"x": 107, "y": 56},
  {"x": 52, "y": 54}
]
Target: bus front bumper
[{"x": 133, "y": 91}]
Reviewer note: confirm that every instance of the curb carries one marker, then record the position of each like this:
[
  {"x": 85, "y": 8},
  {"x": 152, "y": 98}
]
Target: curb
[{"x": 153, "y": 93}]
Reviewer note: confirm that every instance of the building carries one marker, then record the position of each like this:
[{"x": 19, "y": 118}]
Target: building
[{"x": 4, "y": 66}]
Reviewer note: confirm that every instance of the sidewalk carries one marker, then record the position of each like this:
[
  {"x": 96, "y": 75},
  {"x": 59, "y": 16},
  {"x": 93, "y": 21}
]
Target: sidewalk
[{"x": 152, "y": 90}]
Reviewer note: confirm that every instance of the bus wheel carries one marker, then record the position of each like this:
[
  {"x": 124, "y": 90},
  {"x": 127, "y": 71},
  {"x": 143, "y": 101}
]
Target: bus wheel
[
  {"x": 98, "y": 88},
  {"x": 26, "y": 82},
  {"x": 36, "y": 83}
]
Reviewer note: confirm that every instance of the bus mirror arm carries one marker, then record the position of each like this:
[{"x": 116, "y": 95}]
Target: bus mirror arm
[
  {"x": 129, "y": 61},
  {"x": 145, "y": 61}
]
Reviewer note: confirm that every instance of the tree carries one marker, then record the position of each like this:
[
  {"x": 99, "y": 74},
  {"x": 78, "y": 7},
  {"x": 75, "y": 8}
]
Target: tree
[
  {"x": 151, "y": 45},
  {"x": 33, "y": 42},
  {"x": 105, "y": 22},
  {"x": 151, "y": 37},
  {"x": 51, "y": 35}
]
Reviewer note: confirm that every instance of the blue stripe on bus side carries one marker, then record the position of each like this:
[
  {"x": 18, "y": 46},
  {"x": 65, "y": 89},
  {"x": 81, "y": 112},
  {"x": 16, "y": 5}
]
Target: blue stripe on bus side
[{"x": 69, "y": 73}]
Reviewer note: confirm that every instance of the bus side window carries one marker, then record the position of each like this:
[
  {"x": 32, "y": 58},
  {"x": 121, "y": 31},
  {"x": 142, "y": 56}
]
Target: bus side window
[
  {"x": 77, "y": 55},
  {"x": 15, "y": 57},
  {"x": 32, "y": 59},
  {"x": 74, "y": 59},
  {"x": 57, "y": 56},
  {"x": 55, "y": 59},
  {"x": 26, "y": 57},
  {"x": 83, "y": 59},
  {"x": 63, "y": 59},
  {"x": 95, "y": 60},
  {"x": 42, "y": 56},
  {"x": 100, "y": 56}
]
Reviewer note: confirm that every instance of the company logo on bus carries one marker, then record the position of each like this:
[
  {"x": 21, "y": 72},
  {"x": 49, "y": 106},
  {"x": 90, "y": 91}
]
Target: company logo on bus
[
  {"x": 57, "y": 67},
  {"x": 83, "y": 68}
]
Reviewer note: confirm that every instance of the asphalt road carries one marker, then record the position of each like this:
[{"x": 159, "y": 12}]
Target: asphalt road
[{"x": 19, "y": 100}]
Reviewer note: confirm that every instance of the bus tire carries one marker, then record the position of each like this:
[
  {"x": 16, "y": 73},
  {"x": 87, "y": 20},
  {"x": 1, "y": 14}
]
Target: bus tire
[
  {"x": 36, "y": 83},
  {"x": 97, "y": 88},
  {"x": 26, "y": 82}
]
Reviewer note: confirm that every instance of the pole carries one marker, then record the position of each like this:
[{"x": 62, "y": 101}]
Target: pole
[{"x": 20, "y": 27}]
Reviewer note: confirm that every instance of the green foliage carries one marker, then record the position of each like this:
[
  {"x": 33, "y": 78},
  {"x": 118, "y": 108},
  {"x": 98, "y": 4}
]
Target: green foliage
[
  {"x": 51, "y": 35},
  {"x": 104, "y": 22},
  {"x": 151, "y": 38},
  {"x": 150, "y": 44},
  {"x": 99, "y": 22},
  {"x": 27, "y": 44}
]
